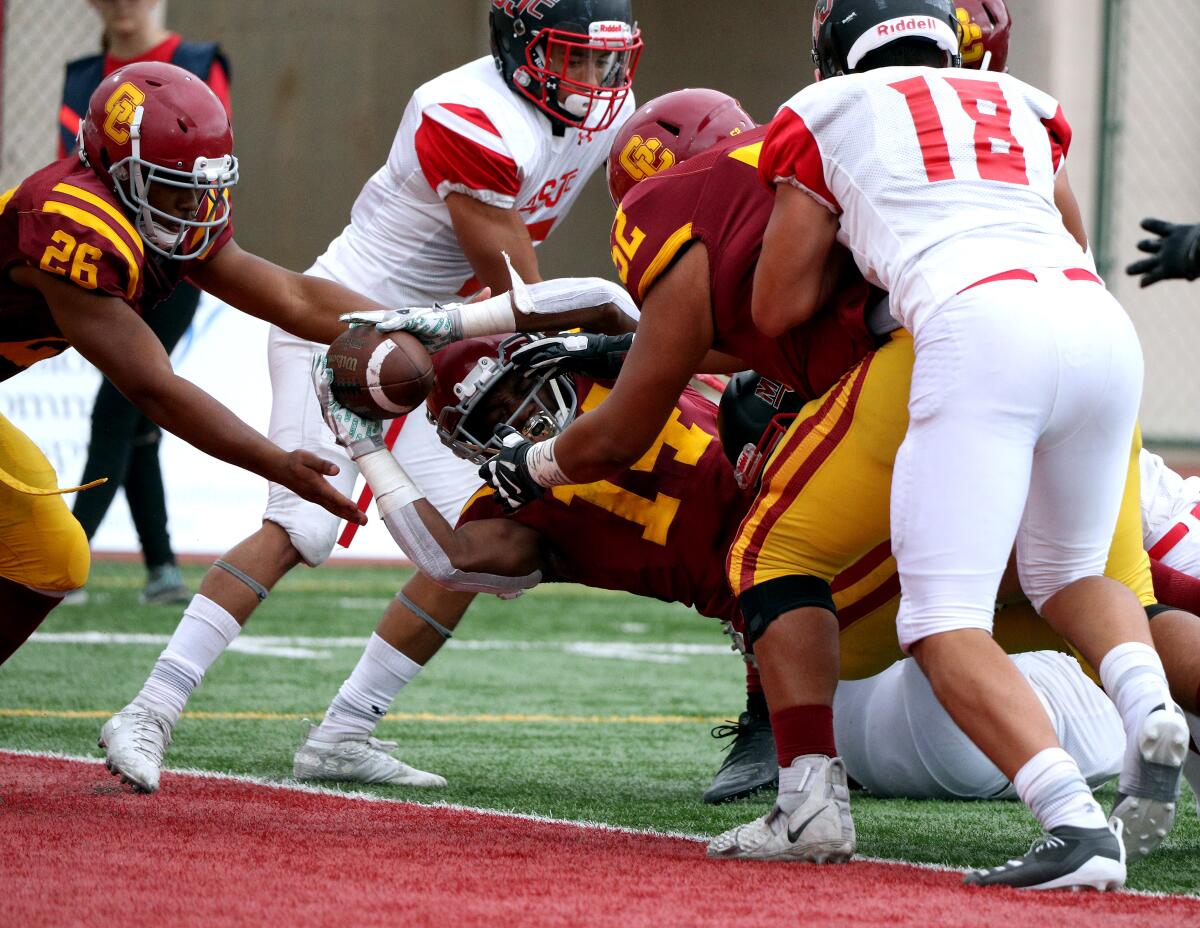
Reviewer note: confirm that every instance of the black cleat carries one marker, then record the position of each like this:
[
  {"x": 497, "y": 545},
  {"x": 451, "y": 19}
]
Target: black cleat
[
  {"x": 750, "y": 766},
  {"x": 1065, "y": 858}
]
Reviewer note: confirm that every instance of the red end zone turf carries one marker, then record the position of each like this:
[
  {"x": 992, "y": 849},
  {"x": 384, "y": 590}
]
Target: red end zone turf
[{"x": 213, "y": 852}]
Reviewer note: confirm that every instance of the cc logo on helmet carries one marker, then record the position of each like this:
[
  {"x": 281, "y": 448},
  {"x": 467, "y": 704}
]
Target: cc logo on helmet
[
  {"x": 120, "y": 108},
  {"x": 643, "y": 158},
  {"x": 972, "y": 37}
]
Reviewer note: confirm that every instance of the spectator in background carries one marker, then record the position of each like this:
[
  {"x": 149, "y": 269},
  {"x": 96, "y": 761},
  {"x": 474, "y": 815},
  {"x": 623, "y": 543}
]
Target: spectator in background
[{"x": 124, "y": 442}]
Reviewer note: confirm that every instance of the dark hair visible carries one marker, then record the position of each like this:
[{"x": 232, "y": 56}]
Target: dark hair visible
[{"x": 910, "y": 53}]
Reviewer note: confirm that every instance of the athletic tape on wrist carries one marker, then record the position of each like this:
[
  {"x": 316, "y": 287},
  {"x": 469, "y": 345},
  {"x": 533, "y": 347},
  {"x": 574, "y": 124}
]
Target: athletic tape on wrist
[
  {"x": 493, "y": 316},
  {"x": 424, "y": 616},
  {"x": 543, "y": 467},
  {"x": 257, "y": 588},
  {"x": 571, "y": 293},
  {"x": 392, "y": 487}
]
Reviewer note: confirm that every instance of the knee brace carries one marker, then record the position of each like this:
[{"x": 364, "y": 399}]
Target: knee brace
[
  {"x": 763, "y": 604},
  {"x": 1154, "y": 610}
]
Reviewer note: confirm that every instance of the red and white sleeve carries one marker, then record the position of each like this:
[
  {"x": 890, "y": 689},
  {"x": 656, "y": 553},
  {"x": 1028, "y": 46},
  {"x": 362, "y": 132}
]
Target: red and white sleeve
[
  {"x": 461, "y": 151},
  {"x": 790, "y": 155},
  {"x": 1059, "y": 131}
]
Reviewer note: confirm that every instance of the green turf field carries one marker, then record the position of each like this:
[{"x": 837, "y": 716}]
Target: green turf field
[{"x": 555, "y": 704}]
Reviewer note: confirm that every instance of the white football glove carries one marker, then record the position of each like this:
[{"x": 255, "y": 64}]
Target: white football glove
[
  {"x": 434, "y": 326},
  {"x": 357, "y": 435}
]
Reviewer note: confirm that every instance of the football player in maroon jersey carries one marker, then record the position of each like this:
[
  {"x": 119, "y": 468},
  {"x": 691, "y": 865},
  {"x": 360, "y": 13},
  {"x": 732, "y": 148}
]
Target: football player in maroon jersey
[{"x": 90, "y": 244}]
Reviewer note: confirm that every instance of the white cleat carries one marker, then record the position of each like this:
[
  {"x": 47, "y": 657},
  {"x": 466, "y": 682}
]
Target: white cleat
[
  {"x": 354, "y": 761},
  {"x": 810, "y": 823},
  {"x": 1148, "y": 810},
  {"x": 135, "y": 740}
]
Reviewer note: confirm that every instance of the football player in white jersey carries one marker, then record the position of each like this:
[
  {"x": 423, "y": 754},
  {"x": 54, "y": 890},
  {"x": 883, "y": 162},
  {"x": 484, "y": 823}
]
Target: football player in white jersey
[
  {"x": 947, "y": 187},
  {"x": 488, "y": 159}
]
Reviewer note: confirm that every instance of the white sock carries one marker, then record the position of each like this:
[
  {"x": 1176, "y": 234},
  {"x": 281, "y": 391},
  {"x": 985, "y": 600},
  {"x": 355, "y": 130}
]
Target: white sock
[
  {"x": 1134, "y": 679},
  {"x": 1052, "y": 786},
  {"x": 203, "y": 634},
  {"x": 367, "y": 694}
]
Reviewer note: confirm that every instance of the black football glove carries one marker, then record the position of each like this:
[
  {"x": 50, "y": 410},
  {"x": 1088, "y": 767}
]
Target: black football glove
[
  {"x": 1176, "y": 253},
  {"x": 508, "y": 474},
  {"x": 596, "y": 356}
]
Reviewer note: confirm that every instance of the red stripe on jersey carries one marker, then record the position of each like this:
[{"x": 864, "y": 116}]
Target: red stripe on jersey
[
  {"x": 884, "y": 593},
  {"x": 930, "y": 134},
  {"x": 540, "y": 231},
  {"x": 447, "y": 157},
  {"x": 790, "y": 151},
  {"x": 69, "y": 119},
  {"x": 472, "y": 115},
  {"x": 863, "y": 566},
  {"x": 1060, "y": 133}
]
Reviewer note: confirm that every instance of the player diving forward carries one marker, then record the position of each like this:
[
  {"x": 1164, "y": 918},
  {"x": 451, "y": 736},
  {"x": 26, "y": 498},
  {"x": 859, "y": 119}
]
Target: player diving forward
[
  {"x": 90, "y": 244},
  {"x": 658, "y": 529},
  {"x": 487, "y": 160}
]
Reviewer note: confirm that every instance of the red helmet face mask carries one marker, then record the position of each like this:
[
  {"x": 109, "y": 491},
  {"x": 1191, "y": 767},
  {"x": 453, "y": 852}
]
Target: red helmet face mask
[
  {"x": 667, "y": 131},
  {"x": 986, "y": 27},
  {"x": 573, "y": 59},
  {"x": 476, "y": 388},
  {"x": 162, "y": 139}
]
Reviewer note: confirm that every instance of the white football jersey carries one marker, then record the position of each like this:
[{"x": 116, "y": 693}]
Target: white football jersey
[
  {"x": 1170, "y": 515},
  {"x": 463, "y": 132},
  {"x": 941, "y": 178}
]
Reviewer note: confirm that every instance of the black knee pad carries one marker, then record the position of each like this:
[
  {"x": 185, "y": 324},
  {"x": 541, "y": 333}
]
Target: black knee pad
[
  {"x": 1157, "y": 609},
  {"x": 763, "y": 604}
]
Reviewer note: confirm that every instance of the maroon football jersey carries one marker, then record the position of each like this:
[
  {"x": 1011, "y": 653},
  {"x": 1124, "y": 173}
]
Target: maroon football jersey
[
  {"x": 65, "y": 221},
  {"x": 716, "y": 198},
  {"x": 660, "y": 529}
]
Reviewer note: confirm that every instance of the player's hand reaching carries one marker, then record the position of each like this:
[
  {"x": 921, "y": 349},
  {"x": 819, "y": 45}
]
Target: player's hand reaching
[
  {"x": 435, "y": 326},
  {"x": 599, "y": 356},
  {"x": 1175, "y": 254},
  {"x": 357, "y": 435},
  {"x": 304, "y": 474},
  {"x": 508, "y": 473}
]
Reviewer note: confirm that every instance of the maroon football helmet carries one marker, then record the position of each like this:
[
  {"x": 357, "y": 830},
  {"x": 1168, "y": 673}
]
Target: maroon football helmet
[
  {"x": 153, "y": 123},
  {"x": 986, "y": 26},
  {"x": 670, "y": 129},
  {"x": 476, "y": 388}
]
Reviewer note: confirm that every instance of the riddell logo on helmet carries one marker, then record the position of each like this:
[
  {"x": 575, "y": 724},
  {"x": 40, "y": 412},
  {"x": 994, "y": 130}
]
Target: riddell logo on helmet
[
  {"x": 121, "y": 107},
  {"x": 518, "y": 7},
  {"x": 642, "y": 158},
  {"x": 922, "y": 25}
]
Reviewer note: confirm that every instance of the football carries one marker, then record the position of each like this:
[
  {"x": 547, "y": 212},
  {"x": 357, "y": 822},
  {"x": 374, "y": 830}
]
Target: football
[{"x": 379, "y": 375}]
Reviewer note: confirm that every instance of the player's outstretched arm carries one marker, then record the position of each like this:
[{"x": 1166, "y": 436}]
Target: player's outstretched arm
[
  {"x": 1064, "y": 199},
  {"x": 303, "y": 305},
  {"x": 487, "y": 233},
  {"x": 490, "y": 556},
  {"x": 110, "y": 334},
  {"x": 793, "y": 278}
]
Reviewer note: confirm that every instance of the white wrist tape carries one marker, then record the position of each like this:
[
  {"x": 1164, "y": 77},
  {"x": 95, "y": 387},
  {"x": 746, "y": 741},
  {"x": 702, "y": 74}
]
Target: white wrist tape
[
  {"x": 493, "y": 316},
  {"x": 393, "y": 488},
  {"x": 543, "y": 467}
]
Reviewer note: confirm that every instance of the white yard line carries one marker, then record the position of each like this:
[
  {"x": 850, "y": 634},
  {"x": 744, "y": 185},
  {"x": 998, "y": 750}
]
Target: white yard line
[{"x": 299, "y": 647}]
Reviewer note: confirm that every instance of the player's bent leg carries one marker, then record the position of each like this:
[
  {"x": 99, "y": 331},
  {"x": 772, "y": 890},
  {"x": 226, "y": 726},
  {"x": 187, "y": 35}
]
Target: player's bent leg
[
  {"x": 414, "y": 627},
  {"x": 793, "y": 631},
  {"x": 23, "y": 611}
]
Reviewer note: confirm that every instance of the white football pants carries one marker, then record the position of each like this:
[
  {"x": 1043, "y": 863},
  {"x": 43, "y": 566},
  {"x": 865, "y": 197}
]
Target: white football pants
[
  {"x": 897, "y": 740},
  {"x": 1023, "y": 402},
  {"x": 296, "y": 422}
]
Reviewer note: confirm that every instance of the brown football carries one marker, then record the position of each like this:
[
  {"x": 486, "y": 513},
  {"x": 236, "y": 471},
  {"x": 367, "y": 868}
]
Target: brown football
[{"x": 378, "y": 375}]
